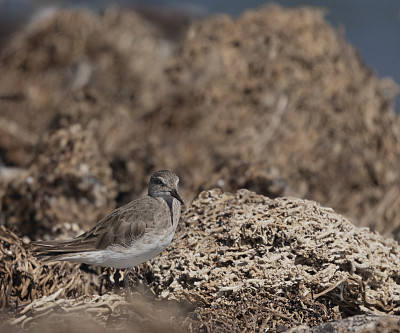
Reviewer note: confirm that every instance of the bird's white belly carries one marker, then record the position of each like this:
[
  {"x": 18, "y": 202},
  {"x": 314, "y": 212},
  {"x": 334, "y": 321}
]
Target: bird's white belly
[{"x": 123, "y": 257}]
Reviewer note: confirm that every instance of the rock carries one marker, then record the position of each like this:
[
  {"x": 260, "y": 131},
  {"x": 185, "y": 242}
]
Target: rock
[{"x": 360, "y": 323}]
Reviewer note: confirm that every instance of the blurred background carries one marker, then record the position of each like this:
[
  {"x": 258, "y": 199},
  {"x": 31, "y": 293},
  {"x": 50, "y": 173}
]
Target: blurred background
[
  {"x": 372, "y": 26},
  {"x": 282, "y": 101}
]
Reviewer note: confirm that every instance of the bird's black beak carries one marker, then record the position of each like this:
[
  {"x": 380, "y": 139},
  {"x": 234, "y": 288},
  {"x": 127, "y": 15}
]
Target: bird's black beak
[{"x": 175, "y": 194}]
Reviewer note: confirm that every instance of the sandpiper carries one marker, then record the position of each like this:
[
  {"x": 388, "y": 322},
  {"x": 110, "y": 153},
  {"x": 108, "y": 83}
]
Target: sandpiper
[{"x": 129, "y": 235}]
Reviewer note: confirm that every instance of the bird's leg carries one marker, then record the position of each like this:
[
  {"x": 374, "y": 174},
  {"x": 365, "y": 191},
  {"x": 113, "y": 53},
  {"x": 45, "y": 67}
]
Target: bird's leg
[
  {"x": 140, "y": 284},
  {"x": 126, "y": 279},
  {"x": 102, "y": 278},
  {"x": 117, "y": 276}
]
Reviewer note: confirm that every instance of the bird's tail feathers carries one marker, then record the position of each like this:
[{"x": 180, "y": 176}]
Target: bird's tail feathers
[{"x": 54, "y": 250}]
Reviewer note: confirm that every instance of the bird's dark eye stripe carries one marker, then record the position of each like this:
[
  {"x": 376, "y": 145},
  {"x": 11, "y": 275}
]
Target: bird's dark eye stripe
[{"x": 159, "y": 181}]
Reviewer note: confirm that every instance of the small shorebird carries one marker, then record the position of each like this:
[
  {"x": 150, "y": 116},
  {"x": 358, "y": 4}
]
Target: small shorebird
[{"x": 127, "y": 236}]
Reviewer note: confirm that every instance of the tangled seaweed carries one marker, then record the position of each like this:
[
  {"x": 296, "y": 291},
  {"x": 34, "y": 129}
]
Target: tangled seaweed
[
  {"x": 250, "y": 259},
  {"x": 24, "y": 279}
]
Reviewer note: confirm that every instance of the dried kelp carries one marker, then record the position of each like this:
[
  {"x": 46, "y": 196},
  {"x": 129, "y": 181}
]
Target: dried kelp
[
  {"x": 23, "y": 278},
  {"x": 68, "y": 182},
  {"x": 46, "y": 296},
  {"x": 275, "y": 101},
  {"x": 244, "y": 261},
  {"x": 105, "y": 313},
  {"x": 245, "y": 258}
]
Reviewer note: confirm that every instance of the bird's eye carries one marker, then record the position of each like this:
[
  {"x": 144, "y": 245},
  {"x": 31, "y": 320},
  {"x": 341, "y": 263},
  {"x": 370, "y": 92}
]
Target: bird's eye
[{"x": 158, "y": 181}]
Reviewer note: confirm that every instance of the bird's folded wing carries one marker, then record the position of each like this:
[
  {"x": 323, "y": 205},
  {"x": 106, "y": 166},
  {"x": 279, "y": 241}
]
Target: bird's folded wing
[
  {"x": 126, "y": 228},
  {"x": 120, "y": 227}
]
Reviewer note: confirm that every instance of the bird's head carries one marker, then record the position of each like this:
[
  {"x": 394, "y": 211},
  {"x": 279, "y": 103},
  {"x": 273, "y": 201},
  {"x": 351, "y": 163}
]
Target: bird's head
[{"x": 164, "y": 183}]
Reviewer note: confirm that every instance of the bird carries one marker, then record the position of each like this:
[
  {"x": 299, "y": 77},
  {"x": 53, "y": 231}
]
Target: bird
[{"x": 127, "y": 236}]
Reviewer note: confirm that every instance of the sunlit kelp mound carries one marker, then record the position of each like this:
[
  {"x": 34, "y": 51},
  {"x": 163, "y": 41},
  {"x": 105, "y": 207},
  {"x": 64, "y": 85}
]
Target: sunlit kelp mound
[{"x": 246, "y": 259}]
